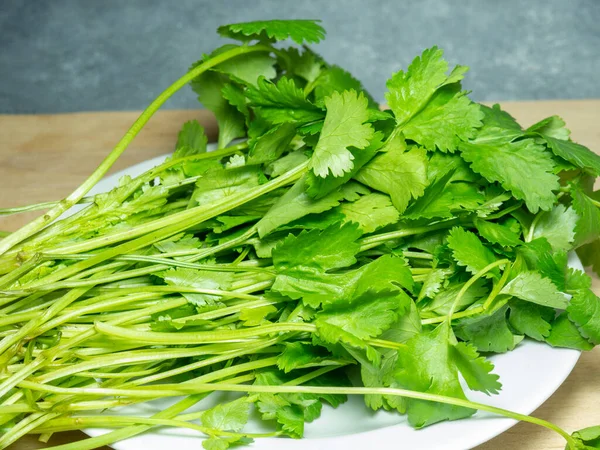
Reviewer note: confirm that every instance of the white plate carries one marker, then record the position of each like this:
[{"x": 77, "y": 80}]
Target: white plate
[{"x": 530, "y": 374}]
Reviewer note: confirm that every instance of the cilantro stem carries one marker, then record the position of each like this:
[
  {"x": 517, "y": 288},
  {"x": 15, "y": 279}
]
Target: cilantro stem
[
  {"x": 470, "y": 283},
  {"x": 375, "y": 240},
  {"x": 39, "y": 223},
  {"x": 534, "y": 223}
]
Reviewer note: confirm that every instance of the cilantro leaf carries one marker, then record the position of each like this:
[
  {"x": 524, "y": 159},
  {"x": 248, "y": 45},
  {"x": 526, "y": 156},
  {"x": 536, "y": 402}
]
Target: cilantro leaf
[
  {"x": 198, "y": 279},
  {"x": 522, "y": 167},
  {"x": 488, "y": 332},
  {"x": 320, "y": 251},
  {"x": 408, "y": 92},
  {"x": 532, "y": 287},
  {"x": 294, "y": 204},
  {"x": 318, "y": 187},
  {"x": 497, "y": 233},
  {"x": 209, "y": 87},
  {"x": 443, "y": 300},
  {"x": 191, "y": 140},
  {"x": 576, "y": 154},
  {"x": 248, "y": 68},
  {"x": 221, "y": 183},
  {"x": 496, "y": 117},
  {"x": 282, "y": 102},
  {"x": 271, "y": 145},
  {"x": 365, "y": 317},
  {"x": 540, "y": 257},
  {"x": 475, "y": 369},
  {"x": 275, "y": 30},
  {"x": 587, "y": 227},
  {"x": 335, "y": 79},
  {"x": 564, "y": 333},
  {"x": 231, "y": 416},
  {"x": 552, "y": 126},
  {"x": 558, "y": 227},
  {"x": 468, "y": 251},
  {"x": 401, "y": 174},
  {"x": 307, "y": 65},
  {"x": 298, "y": 355},
  {"x": 584, "y": 311},
  {"x": 370, "y": 212},
  {"x": 530, "y": 319},
  {"x": 344, "y": 127},
  {"x": 449, "y": 118},
  {"x": 427, "y": 365}
]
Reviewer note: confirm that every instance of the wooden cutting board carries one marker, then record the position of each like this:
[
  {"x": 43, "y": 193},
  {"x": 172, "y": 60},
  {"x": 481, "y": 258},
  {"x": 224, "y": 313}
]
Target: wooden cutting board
[{"x": 44, "y": 157}]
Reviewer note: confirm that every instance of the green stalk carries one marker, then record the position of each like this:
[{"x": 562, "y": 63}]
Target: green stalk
[{"x": 39, "y": 223}]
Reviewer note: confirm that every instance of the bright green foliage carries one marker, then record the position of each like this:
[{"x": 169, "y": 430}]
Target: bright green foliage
[
  {"x": 297, "y": 30},
  {"x": 282, "y": 102},
  {"x": 521, "y": 167},
  {"x": 230, "y": 416},
  {"x": 370, "y": 212},
  {"x": 324, "y": 241},
  {"x": 401, "y": 174},
  {"x": 532, "y": 287},
  {"x": 584, "y": 311},
  {"x": 344, "y": 127},
  {"x": 468, "y": 251}
]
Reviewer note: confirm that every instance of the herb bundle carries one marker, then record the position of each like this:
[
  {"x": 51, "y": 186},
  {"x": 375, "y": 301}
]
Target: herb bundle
[{"x": 325, "y": 248}]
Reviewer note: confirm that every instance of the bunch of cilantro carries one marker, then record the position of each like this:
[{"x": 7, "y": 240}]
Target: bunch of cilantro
[{"x": 326, "y": 248}]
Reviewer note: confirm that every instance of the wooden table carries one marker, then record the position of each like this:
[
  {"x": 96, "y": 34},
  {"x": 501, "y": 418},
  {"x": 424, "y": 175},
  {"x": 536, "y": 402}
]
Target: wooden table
[{"x": 44, "y": 158}]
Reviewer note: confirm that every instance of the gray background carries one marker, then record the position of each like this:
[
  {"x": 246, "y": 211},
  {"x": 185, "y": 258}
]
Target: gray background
[{"x": 67, "y": 55}]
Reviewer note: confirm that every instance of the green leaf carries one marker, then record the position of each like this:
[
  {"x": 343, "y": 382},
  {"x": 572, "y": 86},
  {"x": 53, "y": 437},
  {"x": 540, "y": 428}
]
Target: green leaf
[
  {"x": 564, "y": 333},
  {"x": 530, "y": 319},
  {"x": 576, "y": 279},
  {"x": 444, "y": 198},
  {"x": 590, "y": 255},
  {"x": 443, "y": 300},
  {"x": 366, "y": 317},
  {"x": 299, "y": 31},
  {"x": 558, "y": 227},
  {"x": 191, "y": 140},
  {"x": 408, "y": 92},
  {"x": 255, "y": 316},
  {"x": 552, "y": 126},
  {"x": 294, "y": 204},
  {"x": 449, "y": 118},
  {"x": 231, "y": 416},
  {"x": 588, "y": 437},
  {"x": 298, "y": 355},
  {"x": 271, "y": 145},
  {"x": 584, "y": 311},
  {"x": 370, "y": 212},
  {"x": 335, "y": 79},
  {"x": 587, "y": 227},
  {"x": 318, "y": 187},
  {"x": 488, "y": 333},
  {"x": 576, "y": 154},
  {"x": 307, "y": 64},
  {"x": 286, "y": 163},
  {"x": 282, "y": 102},
  {"x": 248, "y": 68},
  {"x": 539, "y": 256},
  {"x": 532, "y": 287},
  {"x": 468, "y": 251},
  {"x": 475, "y": 369},
  {"x": 433, "y": 283},
  {"x": 522, "y": 167},
  {"x": 426, "y": 364},
  {"x": 344, "y": 127},
  {"x": 209, "y": 87},
  {"x": 497, "y": 233},
  {"x": 401, "y": 174},
  {"x": 496, "y": 117},
  {"x": 221, "y": 183},
  {"x": 318, "y": 251},
  {"x": 407, "y": 326},
  {"x": 202, "y": 279}
]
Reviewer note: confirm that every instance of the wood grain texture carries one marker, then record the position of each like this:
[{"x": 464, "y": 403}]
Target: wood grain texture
[{"x": 43, "y": 158}]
